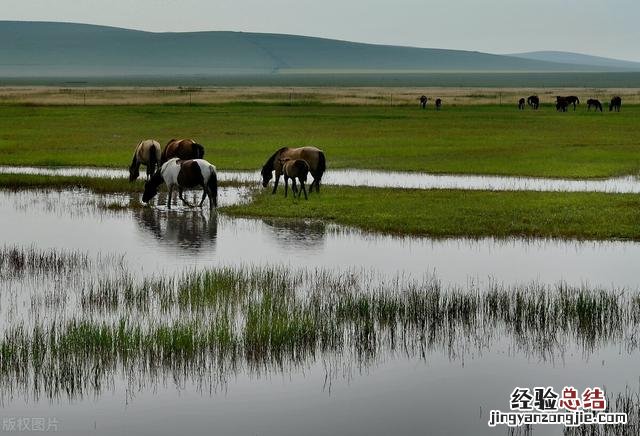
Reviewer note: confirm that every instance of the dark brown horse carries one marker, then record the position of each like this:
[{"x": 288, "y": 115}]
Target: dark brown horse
[
  {"x": 182, "y": 149},
  {"x": 571, "y": 100},
  {"x": 562, "y": 104},
  {"x": 616, "y": 104},
  {"x": 423, "y": 101},
  {"x": 593, "y": 103},
  {"x": 438, "y": 103},
  {"x": 295, "y": 169},
  {"x": 521, "y": 103},
  {"x": 533, "y": 101},
  {"x": 312, "y": 155}
]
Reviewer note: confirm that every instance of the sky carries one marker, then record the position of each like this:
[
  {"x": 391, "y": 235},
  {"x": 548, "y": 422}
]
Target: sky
[{"x": 599, "y": 27}]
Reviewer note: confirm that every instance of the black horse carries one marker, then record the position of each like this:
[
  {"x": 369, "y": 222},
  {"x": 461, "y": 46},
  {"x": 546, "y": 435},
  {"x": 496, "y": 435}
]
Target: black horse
[
  {"x": 593, "y": 103},
  {"x": 572, "y": 99},
  {"x": 562, "y": 104},
  {"x": 521, "y": 103},
  {"x": 423, "y": 101},
  {"x": 616, "y": 103},
  {"x": 533, "y": 101},
  {"x": 438, "y": 103}
]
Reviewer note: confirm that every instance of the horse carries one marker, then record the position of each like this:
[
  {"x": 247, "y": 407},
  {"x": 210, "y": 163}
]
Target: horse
[
  {"x": 148, "y": 154},
  {"x": 572, "y": 99},
  {"x": 521, "y": 104},
  {"x": 184, "y": 174},
  {"x": 182, "y": 149},
  {"x": 616, "y": 103},
  {"x": 562, "y": 104},
  {"x": 423, "y": 101},
  {"x": 438, "y": 103},
  {"x": 314, "y": 157},
  {"x": 592, "y": 102},
  {"x": 295, "y": 169},
  {"x": 533, "y": 101}
]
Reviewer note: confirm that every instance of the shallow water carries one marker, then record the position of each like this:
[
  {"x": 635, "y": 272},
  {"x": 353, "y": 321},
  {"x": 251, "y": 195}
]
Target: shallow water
[
  {"x": 394, "y": 394},
  {"x": 390, "y": 179}
]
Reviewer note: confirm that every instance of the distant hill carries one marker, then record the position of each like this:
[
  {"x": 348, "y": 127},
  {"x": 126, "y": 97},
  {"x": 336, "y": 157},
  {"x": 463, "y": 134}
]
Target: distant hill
[
  {"x": 43, "y": 49},
  {"x": 579, "y": 59}
]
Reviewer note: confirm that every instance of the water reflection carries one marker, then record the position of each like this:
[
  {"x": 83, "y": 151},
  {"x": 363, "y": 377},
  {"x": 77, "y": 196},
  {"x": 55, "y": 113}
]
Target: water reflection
[
  {"x": 298, "y": 234},
  {"x": 190, "y": 230}
]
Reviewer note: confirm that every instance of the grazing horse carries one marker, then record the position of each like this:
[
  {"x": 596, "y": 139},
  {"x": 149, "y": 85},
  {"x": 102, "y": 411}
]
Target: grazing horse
[
  {"x": 295, "y": 169},
  {"x": 533, "y": 101},
  {"x": 182, "y": 149},
  {"x": 616, "y": 103},
  {"x": 572, "y": 99},
  {"x": 314, "y": 157},
  {"x": 438, "y": 103},
  {"x": 521, "y": 104},
  {"x": 184, "y": 174},
  {"x": 592, "y": 102},
  {"x": 562, "y": 104},
  {"x": 423, "y": 101},
  {"x": 148, "y": 154}
]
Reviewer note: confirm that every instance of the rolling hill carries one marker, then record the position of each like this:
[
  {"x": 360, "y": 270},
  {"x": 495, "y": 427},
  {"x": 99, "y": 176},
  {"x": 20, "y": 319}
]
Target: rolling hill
[{"x": 579, "y": 59}]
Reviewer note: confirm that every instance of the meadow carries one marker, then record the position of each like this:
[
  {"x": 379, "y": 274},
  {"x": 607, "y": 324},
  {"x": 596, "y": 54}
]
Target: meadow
[{"x": 460, "y": 139}]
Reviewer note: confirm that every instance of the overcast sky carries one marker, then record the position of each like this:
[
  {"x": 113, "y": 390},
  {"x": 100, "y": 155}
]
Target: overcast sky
[{"x": 600, "y": 27}]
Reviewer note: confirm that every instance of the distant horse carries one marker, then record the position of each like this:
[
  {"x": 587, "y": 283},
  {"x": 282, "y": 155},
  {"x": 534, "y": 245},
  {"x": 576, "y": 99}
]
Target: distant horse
[
  {"x": 572, "y": 99},
  {"x": 592, "y": 102},
  {"x": 295, "y": 169},
  {"x": 314, "y": 157},
  {"x": 562, "y": 104},
  {"x": 616, "y": 104},
  {"x": 533, "y": 101},
  {"x": 182, "y": 149},
  {"x": 521, "y": 104},
  {"x": 438, "y": 103},
  {"x": 423, "y": 101},
  {"x": 184, "y": 174},
  {"x": 147, "y": 153}
]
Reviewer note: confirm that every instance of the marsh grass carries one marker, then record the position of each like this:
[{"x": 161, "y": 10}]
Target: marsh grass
[
  {"x": 205, "y": 326},
  {"x": 17, "y": 260}
]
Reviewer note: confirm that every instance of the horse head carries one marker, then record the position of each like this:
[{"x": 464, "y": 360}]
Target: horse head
[
  {"x": 134, "y": 172},
  {"x": 267, "y": 174},
  {"x": 151, "y": 187}
]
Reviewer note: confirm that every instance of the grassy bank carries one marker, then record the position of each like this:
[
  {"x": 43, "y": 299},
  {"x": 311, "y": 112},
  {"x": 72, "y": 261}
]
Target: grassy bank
[
  {"x": 443, "y": 213},
  {"x": 459, "y": 139}
]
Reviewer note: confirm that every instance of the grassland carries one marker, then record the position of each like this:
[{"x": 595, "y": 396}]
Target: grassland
[
  {"x": 445, "y": 213},
  {"x": 489, "y": 139}
]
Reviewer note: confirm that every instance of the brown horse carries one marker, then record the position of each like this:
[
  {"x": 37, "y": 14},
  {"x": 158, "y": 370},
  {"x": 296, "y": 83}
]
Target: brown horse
[
  {"x": 616, "y": 103},
  {"x": 314, "y": 157},
  {"x": 571, "y": 100},
  {"x": 423, "y": 101},
  {"x": 521, "y": 103},
  {"x": 438, "y": 103},
  {"x": 533, "y": 101},
  {"x": 147, "y": 153},
  {"x": 182, "y": 149},
  {"x": 593, "y": 103},
  {"x": 295, "y": 169}
]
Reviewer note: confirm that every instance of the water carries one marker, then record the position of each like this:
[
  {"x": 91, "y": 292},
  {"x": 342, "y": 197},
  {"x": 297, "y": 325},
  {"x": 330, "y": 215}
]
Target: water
[
  {"x": 394, "y": 394},
  {"x": 390, "y": 179}
]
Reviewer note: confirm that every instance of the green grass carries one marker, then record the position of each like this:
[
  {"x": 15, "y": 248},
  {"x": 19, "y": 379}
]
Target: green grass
[
  {"x": 445, "y": 213},
  {"x": 463, "y": 139}
]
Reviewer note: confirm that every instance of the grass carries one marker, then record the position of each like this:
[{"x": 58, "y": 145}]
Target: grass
[
  {"x": 275, "y": 319},
  {"x": 488, "y": 139},
  {"x": 453, "y": 213}
]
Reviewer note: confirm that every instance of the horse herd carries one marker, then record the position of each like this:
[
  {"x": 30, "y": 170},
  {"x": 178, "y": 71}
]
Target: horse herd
[
  {"x": 563, "y": 103},
  {"x": 180, "y": 165}
]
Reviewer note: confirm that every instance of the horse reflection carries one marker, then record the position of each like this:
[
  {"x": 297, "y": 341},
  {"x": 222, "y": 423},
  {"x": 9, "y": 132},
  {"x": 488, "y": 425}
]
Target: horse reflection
[
  {"x": 190, "y": 230},
  {"x": 298, "y": 234}
]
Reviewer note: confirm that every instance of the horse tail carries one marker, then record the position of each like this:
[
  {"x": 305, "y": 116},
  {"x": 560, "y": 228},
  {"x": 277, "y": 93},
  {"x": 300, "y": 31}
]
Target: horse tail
[
  {"x": 212, "y": 185},
  {"x": 320, "y": 169},
  {"x": 153, "y": 159},
  {"x": 198, "y": 150}
]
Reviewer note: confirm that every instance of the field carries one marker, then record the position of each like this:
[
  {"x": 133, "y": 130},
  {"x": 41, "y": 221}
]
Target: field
[{"x": 461, "y": 139}]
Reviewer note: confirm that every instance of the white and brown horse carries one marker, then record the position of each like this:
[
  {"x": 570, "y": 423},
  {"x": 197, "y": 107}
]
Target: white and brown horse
[
  {"x": 184, "y": 174},
  {"x": 312, "y": 155},
  {"x": 147, "y": 153},
  {"x": 295, "y": 169},
  {"x": 182, "y": 149}
]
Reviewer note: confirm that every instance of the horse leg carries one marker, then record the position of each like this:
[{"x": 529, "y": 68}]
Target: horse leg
[
  {"x": 304, "y": 190},
  {"x": 205, "y": 192},
  {"x": 182, "y": 198},
  {"x": 286, "y": 186},
  {"x": 294, "y": 187},
  {"x": 169, "y": 199},
  {"x": 275, "y": 183}
]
